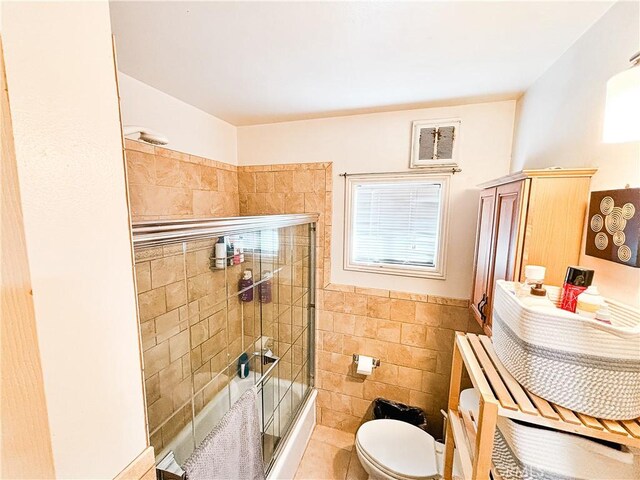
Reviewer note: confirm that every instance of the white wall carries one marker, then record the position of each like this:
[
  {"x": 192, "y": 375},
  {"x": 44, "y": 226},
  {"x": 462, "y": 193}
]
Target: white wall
[
  {"x": 67, "y": 137},
  {"x": 560, "y": 117},
  {"x": 380, "y": 142},
  {"x": 189, "y": 129}
]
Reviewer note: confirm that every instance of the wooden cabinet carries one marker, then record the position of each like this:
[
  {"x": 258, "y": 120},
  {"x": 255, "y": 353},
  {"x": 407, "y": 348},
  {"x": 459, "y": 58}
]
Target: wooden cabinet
[{"x": 534, "y": 217}]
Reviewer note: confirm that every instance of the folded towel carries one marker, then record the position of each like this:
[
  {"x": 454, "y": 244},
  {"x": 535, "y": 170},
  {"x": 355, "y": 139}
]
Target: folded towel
[{"x": 233, "y": 449}]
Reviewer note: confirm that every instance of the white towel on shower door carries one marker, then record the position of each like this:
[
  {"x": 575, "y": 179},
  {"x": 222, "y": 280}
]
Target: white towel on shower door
[{"x": 233, "y": 449}]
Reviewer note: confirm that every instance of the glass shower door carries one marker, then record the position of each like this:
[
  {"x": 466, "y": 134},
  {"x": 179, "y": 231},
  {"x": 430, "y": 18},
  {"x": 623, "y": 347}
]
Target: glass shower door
[{"x": 198, "y": 321}]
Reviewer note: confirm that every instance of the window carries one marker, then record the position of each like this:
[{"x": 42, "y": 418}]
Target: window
[{"x": 396, "y": 224}]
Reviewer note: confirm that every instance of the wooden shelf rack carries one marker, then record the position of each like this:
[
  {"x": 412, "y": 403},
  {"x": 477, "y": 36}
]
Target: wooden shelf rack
[{"x": 502, "y": 395}]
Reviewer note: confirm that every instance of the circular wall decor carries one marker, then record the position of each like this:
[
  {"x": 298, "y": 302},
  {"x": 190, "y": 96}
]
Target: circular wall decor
[
  {"x": 628, "y": 211},
  {"x": 606, "y": 205},
  {"x": 618, "y": 238},
  {"x": 601, "y": 241},
  {"x": 614, "y": 221},
  {"x": 624, "y": 253},
  {"x": 597, "y": 222}
]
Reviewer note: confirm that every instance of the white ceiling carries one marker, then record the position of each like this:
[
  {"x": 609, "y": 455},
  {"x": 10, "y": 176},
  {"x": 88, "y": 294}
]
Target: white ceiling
[{"x": 260, "y": 62}]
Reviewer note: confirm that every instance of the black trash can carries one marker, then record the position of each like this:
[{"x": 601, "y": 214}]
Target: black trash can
[{"x": 383, "y": 408}]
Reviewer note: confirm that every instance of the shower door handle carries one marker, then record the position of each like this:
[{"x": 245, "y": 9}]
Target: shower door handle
[{"x": 275, "y": 361}]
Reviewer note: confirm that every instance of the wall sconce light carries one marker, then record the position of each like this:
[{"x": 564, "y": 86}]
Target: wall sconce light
[{"x": 622, "y": 111}]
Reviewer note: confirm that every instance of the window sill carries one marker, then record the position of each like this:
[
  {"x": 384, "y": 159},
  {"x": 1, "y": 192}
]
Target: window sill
[{"x": 434, "y": 274}]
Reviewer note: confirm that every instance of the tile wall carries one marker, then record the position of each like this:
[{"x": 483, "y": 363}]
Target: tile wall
[
  {"x": 168, "y": 184},
  {"x": 411, "y": 334}
]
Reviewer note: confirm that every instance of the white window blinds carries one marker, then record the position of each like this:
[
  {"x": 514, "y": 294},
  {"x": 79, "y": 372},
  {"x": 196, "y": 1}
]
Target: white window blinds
[{"x": 396, "y": 223}]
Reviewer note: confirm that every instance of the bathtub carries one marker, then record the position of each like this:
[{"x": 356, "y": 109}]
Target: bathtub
[{"x": 293, "y": 440}]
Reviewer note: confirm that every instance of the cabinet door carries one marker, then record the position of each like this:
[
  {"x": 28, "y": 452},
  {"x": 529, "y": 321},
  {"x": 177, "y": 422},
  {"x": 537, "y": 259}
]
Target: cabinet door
[
  {"x": 506, "y": 255},
  {"x": 482, "y": 264}
]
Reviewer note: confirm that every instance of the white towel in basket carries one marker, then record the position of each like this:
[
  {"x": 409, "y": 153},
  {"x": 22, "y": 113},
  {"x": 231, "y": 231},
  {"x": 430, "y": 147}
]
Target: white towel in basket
[{"x": 233, "y": 449}]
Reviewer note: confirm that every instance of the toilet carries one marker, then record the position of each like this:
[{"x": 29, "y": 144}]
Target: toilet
[{"x": 395, "y": 450}]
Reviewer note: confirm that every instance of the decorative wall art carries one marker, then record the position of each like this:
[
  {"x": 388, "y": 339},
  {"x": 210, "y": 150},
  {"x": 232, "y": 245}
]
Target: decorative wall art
[
  {"x": 614, "y": 226},
  {"x": 433, "y": 143}
]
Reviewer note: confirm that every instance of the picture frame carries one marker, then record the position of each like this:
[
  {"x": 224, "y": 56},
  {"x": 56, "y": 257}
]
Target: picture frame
[{"x": 434, "y": 143}]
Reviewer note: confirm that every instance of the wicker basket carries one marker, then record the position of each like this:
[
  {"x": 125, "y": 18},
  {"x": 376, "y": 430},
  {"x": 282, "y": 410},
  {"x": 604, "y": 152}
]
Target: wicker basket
[
  {"x": 578, "y": 363},
  {"x": 527, "y": 453}
]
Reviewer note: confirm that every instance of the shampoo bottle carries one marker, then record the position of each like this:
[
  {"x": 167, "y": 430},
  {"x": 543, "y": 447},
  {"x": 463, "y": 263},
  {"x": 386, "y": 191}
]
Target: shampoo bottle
[
  {"x": 220, "y": 251},
  {"x": 246, "y": 282},
  {"x": 243, "y": 366}
]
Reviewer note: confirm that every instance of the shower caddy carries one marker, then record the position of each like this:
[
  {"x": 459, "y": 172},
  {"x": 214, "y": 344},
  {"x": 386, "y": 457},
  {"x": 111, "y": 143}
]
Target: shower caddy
[{"x": 503, "y": 399}]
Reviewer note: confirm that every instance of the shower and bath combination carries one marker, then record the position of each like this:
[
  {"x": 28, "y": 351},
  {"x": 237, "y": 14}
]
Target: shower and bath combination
[{"x": 195, "y": 328}]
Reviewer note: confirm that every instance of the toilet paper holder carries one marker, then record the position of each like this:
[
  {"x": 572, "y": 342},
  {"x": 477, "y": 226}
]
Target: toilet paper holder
[{"x": 376, "y": 361}]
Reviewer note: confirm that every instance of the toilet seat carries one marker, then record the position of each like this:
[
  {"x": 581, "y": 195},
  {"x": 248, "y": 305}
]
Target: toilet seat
[{"x": 398, "y": 449}]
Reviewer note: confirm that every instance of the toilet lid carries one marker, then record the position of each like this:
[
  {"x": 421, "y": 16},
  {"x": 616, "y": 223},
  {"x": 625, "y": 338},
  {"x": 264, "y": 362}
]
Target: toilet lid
[{"x": 398, "y": 447}]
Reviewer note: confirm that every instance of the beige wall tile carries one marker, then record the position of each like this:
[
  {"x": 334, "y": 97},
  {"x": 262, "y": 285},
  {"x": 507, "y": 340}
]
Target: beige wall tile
[
  {"x": 140, "y": 168},
  {"x": 199, "y": 333},
  {"x": 344, "y": 323},
  {"x": 208, "y": 178},
  {"x": 246, "y": 182},
  {"x": 351, "y": 344},
  {"x": 410, "y": 377},
  {"x": 152, "y": 389},
  {"x": 294, "y": 202},
  {"x": 167, "y": 325},
  {"x": 355, "y": 303},
  {"x": 265, "y": 182},
  {"x": 340, "y": 288},
  {"x": 314, "y": 203},
  {"x": 378, "y": 307},
  {"x": 166, "y": 152},
  {"x": 341, "y": 421},
  {"x": 413, "y": 334},
  {"x": 340, "y": 403},
  {"x": 452, "y": 302},
  {"x": 179, "y": 345},
  {"x": 428, "y": 314},
  {"x": 155, "y": 359},
  {"x": 416, "y": 297},
  {"x": 388, "y": 330},
  {"x": 148, "y": 334},
  {"x": 166, "y": 270},
  {"x": 167, "y": 172},
  {"x": 365, "y": 327},
  {"x": 388, "y": 373},
  {"x": 303, "y": 181},
  {"x": 283, "y": 182},
  {"x": 158, "y": 412},
  {"x": 333, "y": 301},
  {"x": 373, "y": 390},
  {"x": 151, "y": 304},
  {"x": 377, "y": 292},
  {"x": 143, "y": 277},
  {"x": 402, "y": 310},
  {"x": 325, "y": 320},
  {"x": 440, "y": 339},
  {"x": 332, "y": 342},
  {"x": 377, "y": 348}
]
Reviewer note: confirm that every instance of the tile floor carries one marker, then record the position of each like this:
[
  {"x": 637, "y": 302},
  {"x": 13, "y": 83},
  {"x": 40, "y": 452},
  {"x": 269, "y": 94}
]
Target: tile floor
[{"x": 330, "y": 455}]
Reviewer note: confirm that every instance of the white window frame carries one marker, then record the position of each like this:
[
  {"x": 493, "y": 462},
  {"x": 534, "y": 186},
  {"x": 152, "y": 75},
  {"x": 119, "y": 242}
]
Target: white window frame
[{"x": 438, "y": 271}]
